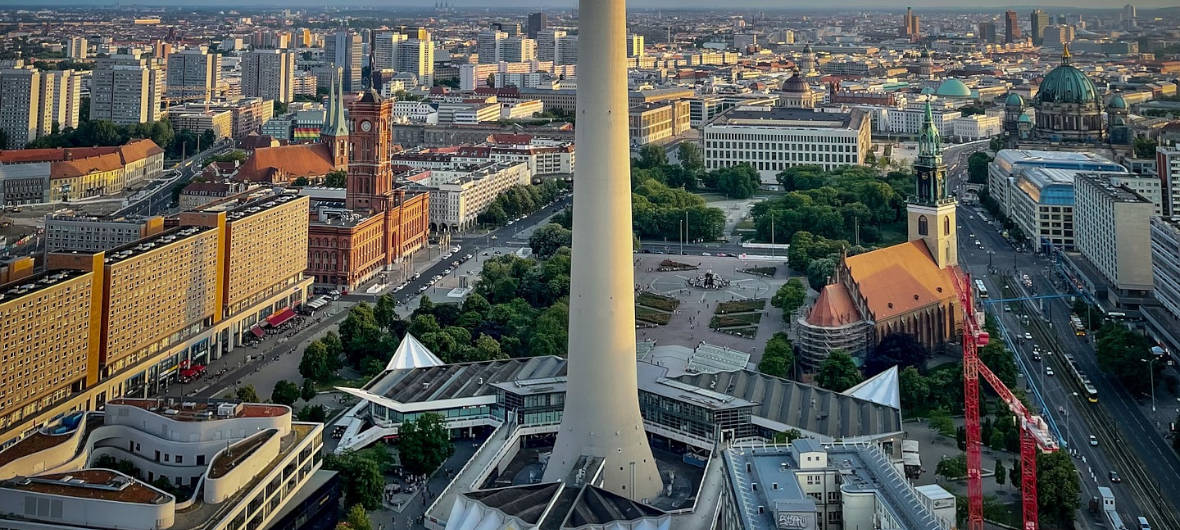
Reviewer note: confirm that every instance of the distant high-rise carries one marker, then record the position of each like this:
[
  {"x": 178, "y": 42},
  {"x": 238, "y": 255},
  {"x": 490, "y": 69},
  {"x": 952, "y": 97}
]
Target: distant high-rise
[
  {"x": 601, "y": 427},
  {"x": 1130, "y": 16},
  {"x": 910, "y": 26},
  {"x": 1011, "y": 27},
  {"x": 987, "y": 32},
  {"x": 344, "y": 49},
  {"x": 77, "y": 48},
  {"x": 489, "y": 46},
  {"x": 416, "y": 57},
  {"x": 20, "y": 101},
  {"x": 385, "y": 45},
  {"x": 537, "y": 22},
  {"x": 126, "y": 90},
  {"x": 193, "y": 75},
  {"x": 634, "y": 45},
  {"x": 61, "y": 96},
  {"x": 549, "y": 45},
  {"x": 518, "y": 49},
  {"x": 511, "y": 28},
  {"x": 1037, "y": 20},
  {"x": 269, "y": 74}
]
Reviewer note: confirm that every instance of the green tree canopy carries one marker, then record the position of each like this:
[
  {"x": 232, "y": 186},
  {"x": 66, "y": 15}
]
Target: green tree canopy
[
  {"x": 247, "y": 394},
  {"x": 778, "y": 357},
  {"x": 285, "y": 392},
  {"x": 838, "y": 372},
  {"x": 896, "y": 349},
  {"x": 362, "y": 475},
  {"x": 1058, "y": 488},
  {"x": 317, "y": 364},
  {"x": 952, "y": 468},
  {"x": 335, "y": 179},
  {"x": 692, "y": 158},
  {"x": 355, "y": 519},
  {"x": 361, "y": 334},
  {"x": 547, "y": 239},
  {"x": 789, "y": 297},
  {"x": 977, "y": 167},
  {"x": 424, "y": 444},
  {"x": 1124, "y": 354}
]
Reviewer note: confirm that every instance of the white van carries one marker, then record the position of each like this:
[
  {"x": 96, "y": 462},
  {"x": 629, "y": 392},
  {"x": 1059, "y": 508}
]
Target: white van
[{"x": 1143, "y": 524}]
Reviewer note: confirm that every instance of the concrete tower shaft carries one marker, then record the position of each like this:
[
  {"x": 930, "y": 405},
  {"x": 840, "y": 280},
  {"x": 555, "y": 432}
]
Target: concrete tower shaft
[{"x": 601, "y": 417}]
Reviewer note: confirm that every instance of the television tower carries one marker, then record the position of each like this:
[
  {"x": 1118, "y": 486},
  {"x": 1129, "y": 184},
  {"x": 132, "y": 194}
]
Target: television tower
[{"x": 601, "y": 417}]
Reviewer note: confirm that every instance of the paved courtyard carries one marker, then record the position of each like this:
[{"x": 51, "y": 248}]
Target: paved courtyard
[{"x": 690, "y": 323}]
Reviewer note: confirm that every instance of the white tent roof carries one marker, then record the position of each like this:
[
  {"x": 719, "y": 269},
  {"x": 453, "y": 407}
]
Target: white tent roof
[
  {"x": 883, "y": 389},
  {"x": 412, "y": 354}
]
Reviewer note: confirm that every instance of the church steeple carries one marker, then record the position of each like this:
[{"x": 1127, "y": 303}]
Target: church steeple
[
  {"x": 932, "y": 210},
  {"x": 334, "y": 132}
]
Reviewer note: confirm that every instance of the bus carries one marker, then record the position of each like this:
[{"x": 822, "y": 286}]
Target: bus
[
  {"x": 981, "y": 289},
  {"x": 1079, "y": 328}
]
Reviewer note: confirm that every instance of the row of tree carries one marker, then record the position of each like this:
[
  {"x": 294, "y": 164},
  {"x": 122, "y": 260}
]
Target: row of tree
[
  {"x": 736, "y": 182},
  {"x": 659, "y": 211},
  {"x": 520, "y": 200},
  {"x": 844, "y": 203},
  {"x": 104, "y": 133},
  {"x": 789, "y": 297},
  {"x": 423, "y": 444}
]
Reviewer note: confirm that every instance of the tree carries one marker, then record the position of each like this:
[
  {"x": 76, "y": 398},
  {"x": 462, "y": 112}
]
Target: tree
[
  {"x": 778, "y": 357},
  {"x": 488, "y": 348},
  {"x": 977, "y": 167},
  {"x": 285, "y": 392},
  {"x": 1122, "y": 353},
  {"x": 819, "y": 271},
  {"x": 1058, "y": 488},
  {"x": 789, "y": 297},
  {"x": 652, "y": 156},
  {"x": 312, "y": 413},
  {"x": 356, "y": 519},
  {"x": 838, "y": 372},
  {"x": 940, "y": 420},
  {"x": 737, "y": 182},
  {"x": 547, "y": 239},
  {"x": 1014, "y": 475},
  {"x": 362, "y": 474},
  {"x": 424, "y": 444},
  {"x": 385, "y": 312},
  {"x": 896, "y": 349},
  {"x": 914, "y": 389},
  {"x": 307, "y": 391},
  {"x": 247, "y": 394},
  {"x": 360, "y": 334},
  {"x": 952, "y": 468},
  {"x": 335, "y": 179},
  {"x": 1144, "y": 147},
  {"x": 1000, "y": 472},
  {"x": 300, "y": 181},
  {"x": 315, "y": 364},
  {"x": 692, "y": 159}
]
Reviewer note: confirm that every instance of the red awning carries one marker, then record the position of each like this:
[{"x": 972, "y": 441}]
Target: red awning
[
  {"x": 257, "y": 331},
  {"x": 281, "y": 317}
]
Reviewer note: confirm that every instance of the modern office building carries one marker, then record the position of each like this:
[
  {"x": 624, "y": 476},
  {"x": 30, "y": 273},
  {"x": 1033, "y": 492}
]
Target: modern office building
[
  {"x": 1112, "y": 234},
  {"x": 67, "y": 232},
  {"x": 229, "y": 465},
  {"x": 385, "y": 45},
  {"x": 774, "y": 138},
  {"x": 811, "y": 486},
  {"x": 634, "y": 45},
  {"x": 344, "y": 49},
  {"x": 658, "y": 122},
  {"x": 1035, "y": 190},
  {"x": 1164, "y": 320},
  {"x": 247, "y": 115},
  {"x": 126, "y": 90},
  {"x": 987, "y": 32},
  {"x": 537, "y": 22},
  {"x": 1038, "y": 20},
  {"x": 269, "y": 75},
  {"x": 549, "y": 45},
  {"x": 193, "y": 75},
  {"x": 489, "y": 46},
  {"x": 1011, "y": 27},
  {"x": 163, "y": 300},
  {"x": 518, "y": 49}
]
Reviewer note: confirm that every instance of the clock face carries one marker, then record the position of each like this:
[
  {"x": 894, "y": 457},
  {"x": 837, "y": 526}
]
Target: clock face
[{"x": 366, "y": 125}]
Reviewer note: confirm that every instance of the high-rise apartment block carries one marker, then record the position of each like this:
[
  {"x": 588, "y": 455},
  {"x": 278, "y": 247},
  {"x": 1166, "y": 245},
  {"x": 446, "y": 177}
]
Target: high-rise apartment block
[
  {"x": 193, "y": 75},
  {"x": 1011, "y": 27},
  {"x": 1038, "y": 20},
  {"x": 20, "y": 104},
  {"x": 1111, "y": 232},
  {"x": 345, "y": 50},
  {"x": 269, "y": 74},
  {"x": 987, "y": 32},
  {"x": 518, "y": 49},
  {"x": 126, "y": 90},
  {"x": 385, "y": 49},
  {"x": 416, "y": 56},
  {"x": 77, "y": 48},
  {"x": 489, "y": 46},
  {"x": 126, "y": 317},
  {"x": 549, "y": 45},
  {"x": 634, "y": 45}
]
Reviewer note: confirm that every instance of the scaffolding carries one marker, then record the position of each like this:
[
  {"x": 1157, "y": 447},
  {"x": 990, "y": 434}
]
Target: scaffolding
[{"x": 816, "y": 342}]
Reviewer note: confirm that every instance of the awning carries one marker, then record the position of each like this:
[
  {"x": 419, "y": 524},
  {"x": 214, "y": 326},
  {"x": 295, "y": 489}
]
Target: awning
[
  {"x": 257, "y": 331},
  {"x": 281, "y": 317}
]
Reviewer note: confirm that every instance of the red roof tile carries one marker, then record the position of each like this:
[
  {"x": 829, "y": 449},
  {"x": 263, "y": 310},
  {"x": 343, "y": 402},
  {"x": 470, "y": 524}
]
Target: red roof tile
[{"x": 287, "y": 162}]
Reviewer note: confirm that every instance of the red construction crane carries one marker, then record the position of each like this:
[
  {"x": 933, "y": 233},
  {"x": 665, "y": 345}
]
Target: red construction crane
[{"x": 1034, "y": 433}]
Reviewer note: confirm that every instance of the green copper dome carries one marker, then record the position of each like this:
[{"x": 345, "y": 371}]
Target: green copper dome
[
  {"x": 1067, "y": 84},
  {"x": 1014, "y": 100},
  {"x": 953, "y": 88},
  {"x": 1117, "y": 102}
]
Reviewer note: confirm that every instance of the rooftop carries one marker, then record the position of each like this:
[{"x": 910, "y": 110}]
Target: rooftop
[
  {"x": 900, "y": 278},
  {"x": 1105, "y": 184},
  {"x": 787, "y": 117},
  {"x": 101, "y": 484},
  {"x": 33, "y": 284},
  {"x": 463, "y": 380},
  {"x": 249, "y": 205},
  {"x": 147, "y": 244},
  {"x": 1007, "y": 159},
  {"x": 195, "y": 409}
]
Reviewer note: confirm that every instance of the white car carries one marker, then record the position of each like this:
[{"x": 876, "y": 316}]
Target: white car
[
  {"x": 1093, "y": 440},
  {"x": 1048, "y": 371},
  {"x": 1027, "y": 336}
]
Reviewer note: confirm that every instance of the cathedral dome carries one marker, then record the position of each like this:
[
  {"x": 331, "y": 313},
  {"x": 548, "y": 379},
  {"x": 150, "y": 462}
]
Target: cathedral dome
[
  {"x": 1014, "y": 100},
  {"x": 1067, "y": 84},
  {"x": 953, "y": 88},
  {"x": 1117, "y": 102},
  {"x": 796, "y": 84}
]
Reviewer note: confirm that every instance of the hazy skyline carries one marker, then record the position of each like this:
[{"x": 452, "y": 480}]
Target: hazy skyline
[{"x": 645, "y": 4}]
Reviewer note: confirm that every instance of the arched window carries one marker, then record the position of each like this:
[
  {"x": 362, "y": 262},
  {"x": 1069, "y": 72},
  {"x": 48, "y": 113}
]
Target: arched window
[
  {"x": 946, "y": 226},
  {"x": 922, "y": 229}
]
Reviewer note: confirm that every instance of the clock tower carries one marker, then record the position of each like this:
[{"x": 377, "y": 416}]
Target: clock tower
[
  {"x": 931, "y": 210},
  {"x": 370, "y": 174}
]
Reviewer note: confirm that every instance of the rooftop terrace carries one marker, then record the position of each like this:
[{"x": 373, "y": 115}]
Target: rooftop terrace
[
  {"x": 203, "y": 409},
  {"x": 100, "y": 484}
]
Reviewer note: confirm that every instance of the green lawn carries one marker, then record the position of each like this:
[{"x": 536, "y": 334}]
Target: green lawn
[
  {"x": 738, "y": 320},
  {"x": 741, "y": 306},
  {"x": 657, "y": 301},
  {"x": 651, "y": 316}
]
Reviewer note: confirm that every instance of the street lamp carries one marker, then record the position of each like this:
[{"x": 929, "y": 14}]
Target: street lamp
[{"x": 1151, "y": 380}]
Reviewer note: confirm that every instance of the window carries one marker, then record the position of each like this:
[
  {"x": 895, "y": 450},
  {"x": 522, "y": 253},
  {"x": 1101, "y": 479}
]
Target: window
[
  {"x": 922, "y": 228},
  {"x": 946, "y": 226}
]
